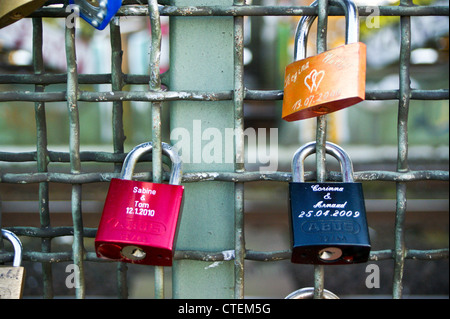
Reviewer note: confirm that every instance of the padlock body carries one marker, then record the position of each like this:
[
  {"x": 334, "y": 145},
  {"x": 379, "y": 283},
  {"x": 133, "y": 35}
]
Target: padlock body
[
  {"x": 327, "y": 219},
  {"x": 140, "y": 215},
  {"x": 325, "y": 83},
  {"x": 96, "y": 14},
  {"x": 12, "y": 11},
  {"x": 12, "y": 280}
]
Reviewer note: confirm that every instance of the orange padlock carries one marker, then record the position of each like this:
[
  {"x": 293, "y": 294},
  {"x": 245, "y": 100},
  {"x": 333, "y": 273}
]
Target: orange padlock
[
  {"x": 330, "y": 81},
  {"x": 12, "y": 11}
]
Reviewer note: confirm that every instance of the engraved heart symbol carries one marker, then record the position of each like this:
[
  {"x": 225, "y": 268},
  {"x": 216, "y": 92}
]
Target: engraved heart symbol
[{"x": 313, "y": 80}]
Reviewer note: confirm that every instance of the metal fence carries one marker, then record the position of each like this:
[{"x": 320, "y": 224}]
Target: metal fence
[{"x": 156, "y": 95}]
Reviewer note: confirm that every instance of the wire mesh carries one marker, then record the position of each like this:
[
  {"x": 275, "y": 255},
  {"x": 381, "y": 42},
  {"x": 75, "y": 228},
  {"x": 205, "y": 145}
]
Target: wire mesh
[{"x": 73, "y": 94}]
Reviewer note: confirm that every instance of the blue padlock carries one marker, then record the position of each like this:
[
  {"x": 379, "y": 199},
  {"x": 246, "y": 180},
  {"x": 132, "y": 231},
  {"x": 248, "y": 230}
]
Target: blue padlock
[
  {"x": 328, "y": 220},
  {"x": 97, "y": 13}
]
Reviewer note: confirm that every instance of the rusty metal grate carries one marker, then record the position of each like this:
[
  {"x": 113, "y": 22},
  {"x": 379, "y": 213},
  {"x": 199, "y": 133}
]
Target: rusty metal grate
[{"x": 73, "y": 94}]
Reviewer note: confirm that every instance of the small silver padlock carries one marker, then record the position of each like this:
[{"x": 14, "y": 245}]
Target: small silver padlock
[
  {"x": 12, "y": 279},
  {"x": 308, "y": 293}
]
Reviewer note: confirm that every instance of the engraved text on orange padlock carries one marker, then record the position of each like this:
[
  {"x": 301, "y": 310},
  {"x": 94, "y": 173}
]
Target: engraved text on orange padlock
[{"x": 327, "y": 82}]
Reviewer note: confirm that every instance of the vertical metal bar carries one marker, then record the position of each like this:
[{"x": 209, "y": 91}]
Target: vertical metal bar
[
  {"x": 1, "y": 238},
  {"x": 239, "y": 152},
  {"x": 155, "y": 85},
  {"x": 75, "y": 163},
  {"x": 117, "y": 83},
  {"x": 402, "y": 156},
  {"x": 42, "y": 155},
  {"x": 321, "y": 130},
  {"x": 118, "y": 132}
]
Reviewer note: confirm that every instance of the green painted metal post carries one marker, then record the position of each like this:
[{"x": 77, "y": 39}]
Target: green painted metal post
[{"x": 202, "y": 59}]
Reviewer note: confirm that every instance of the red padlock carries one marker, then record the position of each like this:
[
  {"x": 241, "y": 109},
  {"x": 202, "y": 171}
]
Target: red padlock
[{"x": 140, "y": 219}]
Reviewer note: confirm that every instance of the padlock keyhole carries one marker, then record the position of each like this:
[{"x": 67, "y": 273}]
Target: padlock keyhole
[
  {"x": 330, "y": 254},
  {"x": 322, "y": 110},
  {"x": 133, "y": 253},
  {"x": 138, "y": 253},
  {"x": 16, "y": 16}
]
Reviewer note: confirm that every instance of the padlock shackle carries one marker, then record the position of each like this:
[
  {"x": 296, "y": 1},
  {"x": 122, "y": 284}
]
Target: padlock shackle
[
  {"x": 305, "y": 23},
  {"x": 308, "y": 293},
  {"x": 17, "y": 245},
  {"x": 301, "y": 35},
  {"x": 134, "y": 155},
  {"x": 336, "y": 151}
]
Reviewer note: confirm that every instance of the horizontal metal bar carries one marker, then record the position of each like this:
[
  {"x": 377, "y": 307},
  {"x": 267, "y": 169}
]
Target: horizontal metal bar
[
  {"x": 439, "y": 94},
  {"x": 235, "y": 177},
  {"x": 55, "y": 257},
  {"x": 359, "y": 154},
  {"x": 144, "y": 96},
  {"x": 49, "y": 79},
  {"x": 29, "y": 96},
  {"x": 136, "y": 79},
  {"x": 402, "y": 176},
  {"x": 263, "y": 256},
  {"x": 50, "y": 232},
  {"x": 252, "y": 10},
  {"x": 251, "y": 206},
  {"x": 332, "y": 176},
  {"x": 149, "y": 96},
  {"x": 65, "y": 178},
  {"x": 431, "y": 254},
  {"x": 64, "y": 157},
  {"x": 300, "y": 11}
]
